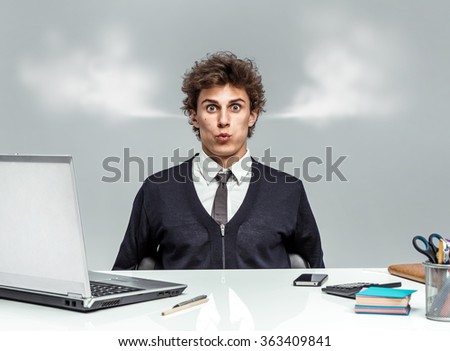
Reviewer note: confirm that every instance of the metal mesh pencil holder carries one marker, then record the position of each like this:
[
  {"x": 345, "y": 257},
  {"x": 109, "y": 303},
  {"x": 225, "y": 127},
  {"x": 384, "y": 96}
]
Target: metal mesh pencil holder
[{"x": 437, "y": 291}]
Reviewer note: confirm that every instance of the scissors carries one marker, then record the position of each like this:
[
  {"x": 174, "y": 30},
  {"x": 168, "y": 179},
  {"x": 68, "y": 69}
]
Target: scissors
[{"x": 428, "y": 247}]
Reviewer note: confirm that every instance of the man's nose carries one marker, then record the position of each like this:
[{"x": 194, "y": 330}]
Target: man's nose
[{"x": 224, "y": 118}]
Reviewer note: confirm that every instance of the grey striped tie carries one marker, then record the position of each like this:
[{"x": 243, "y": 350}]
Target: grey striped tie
[{"x": 219, "y": 210}]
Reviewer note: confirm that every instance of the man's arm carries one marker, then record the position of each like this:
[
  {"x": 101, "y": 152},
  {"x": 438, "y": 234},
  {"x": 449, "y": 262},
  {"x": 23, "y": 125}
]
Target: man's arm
[
  {"x": 136, "y": 242},
  {"x": 306, "y": 239}
]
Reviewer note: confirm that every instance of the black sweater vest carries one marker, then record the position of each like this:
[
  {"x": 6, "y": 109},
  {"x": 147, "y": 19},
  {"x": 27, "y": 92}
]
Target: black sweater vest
[{"x": 169, "y": 224}]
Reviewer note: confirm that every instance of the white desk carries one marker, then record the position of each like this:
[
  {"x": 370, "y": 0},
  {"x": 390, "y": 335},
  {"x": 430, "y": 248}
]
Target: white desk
[{"x": 251, "y": 300}]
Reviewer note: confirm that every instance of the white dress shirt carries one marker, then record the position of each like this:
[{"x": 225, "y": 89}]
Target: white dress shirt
[{"x": 205, "y": 169}]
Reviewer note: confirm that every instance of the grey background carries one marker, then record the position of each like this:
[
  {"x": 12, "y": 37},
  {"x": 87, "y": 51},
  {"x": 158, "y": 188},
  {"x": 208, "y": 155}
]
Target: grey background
[{"x": 369, "y": 79}]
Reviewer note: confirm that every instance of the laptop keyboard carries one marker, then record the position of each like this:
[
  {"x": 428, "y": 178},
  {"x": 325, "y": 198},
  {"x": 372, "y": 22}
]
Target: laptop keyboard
[{"x": 102, "y": 289}]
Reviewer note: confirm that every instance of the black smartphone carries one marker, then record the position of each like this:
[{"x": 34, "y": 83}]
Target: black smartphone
[{"x": 307, "y": 279}]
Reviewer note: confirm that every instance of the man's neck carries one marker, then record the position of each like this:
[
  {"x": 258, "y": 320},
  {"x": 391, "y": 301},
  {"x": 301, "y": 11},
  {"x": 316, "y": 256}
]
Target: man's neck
[{"x": 225, "y": 161}]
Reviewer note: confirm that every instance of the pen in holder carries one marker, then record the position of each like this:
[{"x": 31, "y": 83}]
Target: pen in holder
[{"x": 437, "y": 291}]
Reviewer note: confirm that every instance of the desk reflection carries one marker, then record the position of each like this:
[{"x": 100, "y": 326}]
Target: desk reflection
[{"x": 242, "y": 302}]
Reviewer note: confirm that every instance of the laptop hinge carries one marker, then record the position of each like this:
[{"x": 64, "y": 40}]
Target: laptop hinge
[{"x": 74, "y": 295}]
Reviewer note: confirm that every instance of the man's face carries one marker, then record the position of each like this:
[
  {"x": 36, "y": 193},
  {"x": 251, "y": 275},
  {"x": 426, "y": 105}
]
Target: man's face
[{"x": 223, "y": 117}]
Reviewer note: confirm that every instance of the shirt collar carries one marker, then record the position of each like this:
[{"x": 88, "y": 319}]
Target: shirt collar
[{"x": 209, "y": 168}]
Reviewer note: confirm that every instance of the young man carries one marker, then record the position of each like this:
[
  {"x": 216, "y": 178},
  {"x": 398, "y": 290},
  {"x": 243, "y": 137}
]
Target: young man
[{"x": 221, "y": 209}]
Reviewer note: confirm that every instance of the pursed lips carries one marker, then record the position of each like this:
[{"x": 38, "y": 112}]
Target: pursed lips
[{"x": 223, "y": 136}]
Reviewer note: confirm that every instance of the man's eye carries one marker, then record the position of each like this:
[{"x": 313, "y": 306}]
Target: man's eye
[
  {"x": 211, "y": 108},
  {"x": 235, "y": 108}
]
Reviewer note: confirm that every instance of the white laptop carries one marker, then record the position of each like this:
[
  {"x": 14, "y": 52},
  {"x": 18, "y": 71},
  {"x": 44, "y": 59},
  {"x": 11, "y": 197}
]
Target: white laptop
[{"x": 42, "y": 252}]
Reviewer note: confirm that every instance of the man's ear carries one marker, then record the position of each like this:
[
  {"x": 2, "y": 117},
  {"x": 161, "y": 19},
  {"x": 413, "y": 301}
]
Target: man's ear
[
  {"x": 253, "y": 118},
  {"x": 193, "y": 117}
]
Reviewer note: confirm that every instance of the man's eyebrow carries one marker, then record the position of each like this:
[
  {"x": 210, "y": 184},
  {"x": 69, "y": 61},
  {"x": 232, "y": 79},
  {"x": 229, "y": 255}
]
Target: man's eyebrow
[
  {"x": 237, "y": 100},
  {"x": 210, "y": 101}
]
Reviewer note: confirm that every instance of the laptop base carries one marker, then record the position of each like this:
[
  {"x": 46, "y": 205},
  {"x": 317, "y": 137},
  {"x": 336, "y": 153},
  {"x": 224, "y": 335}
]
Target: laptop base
[{"x": 75, "y": 304}]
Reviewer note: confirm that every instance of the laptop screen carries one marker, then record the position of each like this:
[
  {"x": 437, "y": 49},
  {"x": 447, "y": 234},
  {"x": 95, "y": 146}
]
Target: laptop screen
[{"x": 41, "y": 239}]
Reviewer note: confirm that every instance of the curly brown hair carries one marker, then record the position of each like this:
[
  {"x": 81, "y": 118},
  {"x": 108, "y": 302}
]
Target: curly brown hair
[{"x": 219, "y": 69}]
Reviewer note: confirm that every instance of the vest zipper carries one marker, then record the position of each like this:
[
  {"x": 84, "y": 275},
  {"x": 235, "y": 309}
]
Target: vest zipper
[{"x": 222, "y": 232}]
